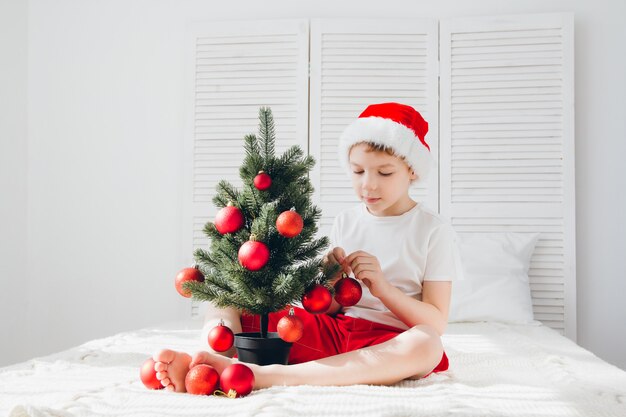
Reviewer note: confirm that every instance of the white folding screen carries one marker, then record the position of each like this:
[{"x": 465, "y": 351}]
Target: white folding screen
[
  {"x": 359, "y": 62},
  {"x": 507, "y": 143}
]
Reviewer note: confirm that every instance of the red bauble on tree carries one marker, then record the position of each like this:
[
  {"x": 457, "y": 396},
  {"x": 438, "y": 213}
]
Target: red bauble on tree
[
  {"x": 290, "y": 327},
  {"x": 202, "y": 380},
  {"x": 253, "y": 255},
  {"x": 237, "y": 377},
  {"x": 229, "y": 219},
  {"x": 187, "y": 274},
  {"x": 317, "y": 299},
  {"x": 289, "y": 223},
  {"x": 147, "y": 374},
  {"x": 262, "y": 181},
  {"x": 221, "y": 338},
  {"x": 348, "y": 291}
]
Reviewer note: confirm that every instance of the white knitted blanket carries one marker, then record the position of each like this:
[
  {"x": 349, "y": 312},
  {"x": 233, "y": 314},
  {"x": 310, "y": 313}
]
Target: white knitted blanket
[{"x": 495, "y": 370}]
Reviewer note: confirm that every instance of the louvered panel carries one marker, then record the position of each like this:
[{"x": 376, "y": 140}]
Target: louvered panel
[
  {"x": 235, "y": 68},
  {"x": 200, "y": 240},
  {"x": 356, "y": 63},
  {"x": 507, "y": 143},
  {"x": 235, "y": 74}
]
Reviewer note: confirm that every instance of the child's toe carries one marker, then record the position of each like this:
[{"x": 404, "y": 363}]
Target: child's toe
[
  {"x": 160, "y": 366},
  {"x": 165, "y": 356}
]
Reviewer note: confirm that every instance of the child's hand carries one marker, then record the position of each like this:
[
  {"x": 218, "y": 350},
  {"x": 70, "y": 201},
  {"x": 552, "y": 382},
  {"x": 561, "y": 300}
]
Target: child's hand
[
  {"x": 367, "y": 269},
  {"x": 337, "y": 256}
]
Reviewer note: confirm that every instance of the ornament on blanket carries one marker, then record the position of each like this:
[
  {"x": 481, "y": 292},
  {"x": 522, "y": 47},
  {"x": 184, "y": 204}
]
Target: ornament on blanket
[
  {"x": 317, "y": 299},
  {"x": 221, "y": 337},
  {"x": 253, "y": 255},
  {"x": 290, "y": 327},
  {"x": 237, "y": 377},
  {"x": 348, "y": 291},
  {"x": 289, "y": 223},
  {"x": 147, "y": 374},
  {"x": 229, "y": 219},
  {"x": 202, "y": 380},
  {"x": 185, "y": 275},
  {"x": 262, "y": 181}
]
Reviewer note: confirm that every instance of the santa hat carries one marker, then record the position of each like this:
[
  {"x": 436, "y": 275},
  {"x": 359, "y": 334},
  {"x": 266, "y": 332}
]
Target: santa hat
[{"x": 395, "y": 126}]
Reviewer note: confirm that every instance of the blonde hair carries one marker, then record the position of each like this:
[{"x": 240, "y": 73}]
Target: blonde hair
[{"x": 377, "y": 147}]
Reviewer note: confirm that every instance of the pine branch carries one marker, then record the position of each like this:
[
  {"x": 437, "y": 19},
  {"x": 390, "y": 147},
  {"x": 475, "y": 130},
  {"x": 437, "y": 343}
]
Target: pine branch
[
  {"x": 262, "y": 224},
  {"x": 290, "y": 156},
  {"x": 266, "y": 131},
  {"x": 253, "y": 200},
  {"x": 214, "y": 286},
  {"x": 211, "y": 232},
  {"x": 311, "y": 250},
  {"x": 226, "y": 193},
  {"x": 227, "y": 254},
  {"x": 251, "y": 145},
  {"x": 203, "y": 258}
]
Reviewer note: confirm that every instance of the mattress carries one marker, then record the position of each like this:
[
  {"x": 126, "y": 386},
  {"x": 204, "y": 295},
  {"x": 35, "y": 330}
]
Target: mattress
[{"x": 495, "y": 370}]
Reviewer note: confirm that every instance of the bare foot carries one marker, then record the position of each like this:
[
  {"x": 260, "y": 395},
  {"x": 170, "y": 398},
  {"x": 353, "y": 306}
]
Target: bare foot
[
  {"x": 172, "y": 367},
  {"x": 215, "y": 360}
]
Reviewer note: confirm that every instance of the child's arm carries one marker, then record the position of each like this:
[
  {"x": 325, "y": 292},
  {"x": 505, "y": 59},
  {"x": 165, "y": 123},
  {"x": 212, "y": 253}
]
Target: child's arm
[{"x": 432, "y": 310}]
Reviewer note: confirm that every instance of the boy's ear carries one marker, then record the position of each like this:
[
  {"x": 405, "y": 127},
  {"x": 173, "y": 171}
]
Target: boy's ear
[{"x": 413, "y": 175}]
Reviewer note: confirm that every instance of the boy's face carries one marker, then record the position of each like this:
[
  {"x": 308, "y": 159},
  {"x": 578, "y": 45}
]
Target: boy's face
[{"x": 380, "y": 180}]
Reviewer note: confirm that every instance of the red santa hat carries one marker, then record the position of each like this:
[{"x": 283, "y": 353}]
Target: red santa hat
[{"x": 395, "y": 126}]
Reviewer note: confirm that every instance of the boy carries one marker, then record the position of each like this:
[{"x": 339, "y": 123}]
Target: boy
[{"x": 401, "y": 252}]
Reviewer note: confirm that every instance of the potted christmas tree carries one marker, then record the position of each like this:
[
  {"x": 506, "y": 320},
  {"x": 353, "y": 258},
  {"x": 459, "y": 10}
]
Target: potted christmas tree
[{"x": 263, "y": 254}]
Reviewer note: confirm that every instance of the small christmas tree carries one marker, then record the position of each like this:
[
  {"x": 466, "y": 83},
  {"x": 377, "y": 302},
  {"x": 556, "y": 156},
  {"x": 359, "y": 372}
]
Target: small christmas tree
[{"x": 263, "y": 254}]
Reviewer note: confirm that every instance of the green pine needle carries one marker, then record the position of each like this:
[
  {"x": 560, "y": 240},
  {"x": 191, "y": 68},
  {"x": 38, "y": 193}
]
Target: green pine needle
[{"x": 266, "y": 131}]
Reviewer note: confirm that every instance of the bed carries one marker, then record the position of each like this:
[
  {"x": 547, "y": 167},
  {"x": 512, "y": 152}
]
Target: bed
[{"x": 497, "y": 369}]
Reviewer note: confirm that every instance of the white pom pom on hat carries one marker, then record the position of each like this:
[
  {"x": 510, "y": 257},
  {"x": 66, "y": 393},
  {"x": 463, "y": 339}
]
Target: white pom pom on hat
[{"x": 395, "y": 126}]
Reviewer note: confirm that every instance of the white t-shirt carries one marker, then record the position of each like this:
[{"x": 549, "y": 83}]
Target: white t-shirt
[{"x": 411, "y": 248}]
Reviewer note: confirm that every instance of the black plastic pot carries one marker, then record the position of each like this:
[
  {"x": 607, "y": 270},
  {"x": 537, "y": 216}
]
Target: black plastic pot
[{"x": 253, "y": 348}]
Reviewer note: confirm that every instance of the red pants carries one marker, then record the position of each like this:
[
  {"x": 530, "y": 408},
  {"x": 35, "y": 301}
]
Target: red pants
[{"x": 325, "y": 335}]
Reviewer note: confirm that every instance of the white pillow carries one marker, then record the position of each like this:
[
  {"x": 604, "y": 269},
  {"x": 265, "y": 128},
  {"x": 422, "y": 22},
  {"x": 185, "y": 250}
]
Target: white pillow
[{"x": 495, "y": 286}]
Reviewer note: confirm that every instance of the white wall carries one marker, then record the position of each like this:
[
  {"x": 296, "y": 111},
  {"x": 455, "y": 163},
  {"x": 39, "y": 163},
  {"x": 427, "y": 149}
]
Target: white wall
[
  {"x": 13, "y": 159},
  {"x": 105, "y": 124}
]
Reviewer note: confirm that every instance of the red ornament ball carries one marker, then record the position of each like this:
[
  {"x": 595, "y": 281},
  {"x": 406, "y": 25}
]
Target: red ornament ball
[
  {"x": 237, "y": 377},
  {"x": 289, "y": 223},
  {"x": 202, "y": 380},
  {"x": 147, "y": 374},
  {"x": 229, "y": 220},
  {"x": 317, "y": 299},
  {"x": 290, "y": 327},
  {"x": 221, "y": 338},
  {"x": 262, "y": 181},
  {"x": 348, "y": 291},
  {"x": 187, "y": 274},
  {"x": 253, "y": 255}
]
